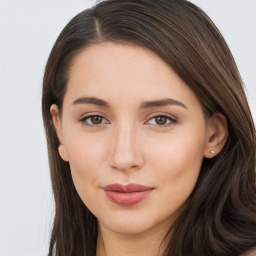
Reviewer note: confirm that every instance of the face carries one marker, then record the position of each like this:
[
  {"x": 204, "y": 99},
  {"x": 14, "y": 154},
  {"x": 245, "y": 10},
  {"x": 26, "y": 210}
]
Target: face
[{"x": 134, "y": 135}]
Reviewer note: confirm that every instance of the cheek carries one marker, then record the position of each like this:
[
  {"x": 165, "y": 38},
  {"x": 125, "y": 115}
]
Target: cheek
[
  {"x": 85, "y": 158},
  {"x": 179, "y": 149},
  {"x": 84, "y": 149},
  {"x": 178, "y": 164}
]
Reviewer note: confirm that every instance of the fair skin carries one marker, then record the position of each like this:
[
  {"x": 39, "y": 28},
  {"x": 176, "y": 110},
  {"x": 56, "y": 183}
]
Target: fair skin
[{"x": 159, "y": 146}]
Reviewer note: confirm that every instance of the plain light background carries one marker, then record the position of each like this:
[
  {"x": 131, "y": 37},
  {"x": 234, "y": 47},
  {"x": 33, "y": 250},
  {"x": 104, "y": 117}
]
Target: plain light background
[{"x": 28, "y": 30}]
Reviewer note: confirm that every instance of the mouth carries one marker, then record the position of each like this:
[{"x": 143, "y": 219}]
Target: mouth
[{"x": 127, "y": 195}]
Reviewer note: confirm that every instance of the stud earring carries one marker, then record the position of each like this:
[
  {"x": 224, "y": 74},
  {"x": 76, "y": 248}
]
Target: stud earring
[{"x": 212, "y": 152}]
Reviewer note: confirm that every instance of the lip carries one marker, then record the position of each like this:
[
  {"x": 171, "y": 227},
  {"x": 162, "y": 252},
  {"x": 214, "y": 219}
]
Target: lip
[{"x": 127, "y": 195}]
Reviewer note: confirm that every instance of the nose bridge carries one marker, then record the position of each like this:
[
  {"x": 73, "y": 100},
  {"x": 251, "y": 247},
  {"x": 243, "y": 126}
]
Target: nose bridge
[{"x": 125, "y": 152}]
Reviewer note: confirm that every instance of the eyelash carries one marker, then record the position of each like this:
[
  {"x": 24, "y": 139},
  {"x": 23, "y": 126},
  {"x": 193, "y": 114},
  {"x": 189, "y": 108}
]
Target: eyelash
[
  {"x": 84, "y": 121},
  {"x": 171, "y": 120}
]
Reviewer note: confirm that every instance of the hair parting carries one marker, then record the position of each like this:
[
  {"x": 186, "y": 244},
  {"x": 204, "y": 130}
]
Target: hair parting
[{"x": 219, "y": 217}]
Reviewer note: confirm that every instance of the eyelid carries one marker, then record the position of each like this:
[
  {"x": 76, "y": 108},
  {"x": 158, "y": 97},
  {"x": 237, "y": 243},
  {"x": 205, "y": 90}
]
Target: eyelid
[
  {"x": 171, "y": 118},
  {"x": 85, "y": 117}
]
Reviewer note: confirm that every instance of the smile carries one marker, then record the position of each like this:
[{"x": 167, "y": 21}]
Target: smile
[{"x": 127, "y": 195}]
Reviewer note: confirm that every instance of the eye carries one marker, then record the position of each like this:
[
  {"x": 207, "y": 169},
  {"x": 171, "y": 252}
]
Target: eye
[
  {"x": 92, "y": 120},
  {"x": 162, "y": 120}
]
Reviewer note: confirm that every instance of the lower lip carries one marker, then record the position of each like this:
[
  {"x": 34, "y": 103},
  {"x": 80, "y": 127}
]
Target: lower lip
[{"x": 127, "y": 199}]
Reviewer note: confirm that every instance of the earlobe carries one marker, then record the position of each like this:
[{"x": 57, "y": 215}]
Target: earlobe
[
  {"x": 62, "y": 152},
  {"x": 217, "y": 135},
  {"x": 54, "y": 110}
]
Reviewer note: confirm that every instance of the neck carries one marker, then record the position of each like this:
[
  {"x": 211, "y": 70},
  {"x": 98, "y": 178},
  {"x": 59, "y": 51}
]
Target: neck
[{"x": 148, "y": 243}]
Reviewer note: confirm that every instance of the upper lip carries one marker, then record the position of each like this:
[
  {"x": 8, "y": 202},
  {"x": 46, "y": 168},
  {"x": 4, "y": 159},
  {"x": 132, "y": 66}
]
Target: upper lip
[{"x": 131, "y": 187}]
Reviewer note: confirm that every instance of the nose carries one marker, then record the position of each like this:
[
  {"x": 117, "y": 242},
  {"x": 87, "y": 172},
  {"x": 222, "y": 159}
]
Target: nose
[{"x": 125, "y": 149}]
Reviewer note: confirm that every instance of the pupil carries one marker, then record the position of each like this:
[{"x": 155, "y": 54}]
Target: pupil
[
  {"x": 161, "y": 120},
  {"x": 96, "y": 119}
]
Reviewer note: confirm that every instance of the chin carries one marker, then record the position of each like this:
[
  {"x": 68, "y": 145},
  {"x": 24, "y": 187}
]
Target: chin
[
  {"x": 129, "y": 228},
  {"x": 132, "y": 224}
]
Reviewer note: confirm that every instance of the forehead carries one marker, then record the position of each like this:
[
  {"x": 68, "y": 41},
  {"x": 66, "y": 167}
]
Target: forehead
[{"x": 123, "y": 72}]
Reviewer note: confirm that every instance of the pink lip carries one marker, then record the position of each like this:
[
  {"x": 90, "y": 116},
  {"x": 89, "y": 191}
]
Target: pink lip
[{"x": 127, "y": 194}]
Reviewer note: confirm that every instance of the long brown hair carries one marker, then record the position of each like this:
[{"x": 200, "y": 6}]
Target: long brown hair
[{"x": 220, "y": 214}]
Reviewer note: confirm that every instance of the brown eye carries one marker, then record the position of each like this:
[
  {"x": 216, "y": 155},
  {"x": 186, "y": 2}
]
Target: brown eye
[
  {"x": 161, "y": 120},
  {"x": 96, "y": 119},
  {"x": 93, "y": 120}
]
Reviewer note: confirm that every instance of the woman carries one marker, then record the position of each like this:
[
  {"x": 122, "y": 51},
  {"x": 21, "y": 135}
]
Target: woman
[{"x": 150, "y": 137}]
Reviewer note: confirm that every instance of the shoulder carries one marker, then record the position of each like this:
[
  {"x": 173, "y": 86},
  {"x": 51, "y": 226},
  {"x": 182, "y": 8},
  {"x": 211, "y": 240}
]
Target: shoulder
[{"x": 250, "y": 253}]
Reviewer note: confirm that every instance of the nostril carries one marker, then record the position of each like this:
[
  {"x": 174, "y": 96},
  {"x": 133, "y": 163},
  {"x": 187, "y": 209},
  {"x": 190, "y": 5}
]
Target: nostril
[{"x": 131, "y": 162}]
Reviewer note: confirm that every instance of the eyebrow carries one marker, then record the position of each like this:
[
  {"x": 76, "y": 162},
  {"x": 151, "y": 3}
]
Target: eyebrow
[
  {"x": 91, "y": 100},
  {"x": 144, "y": 105},
  {"x": 161, "y": 103}
]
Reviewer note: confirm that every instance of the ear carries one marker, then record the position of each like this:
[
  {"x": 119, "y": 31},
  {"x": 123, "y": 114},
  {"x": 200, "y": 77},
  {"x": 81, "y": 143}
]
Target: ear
[
  {"x": 216, "y": 136},
  {"x": 54, "y": 110}
]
